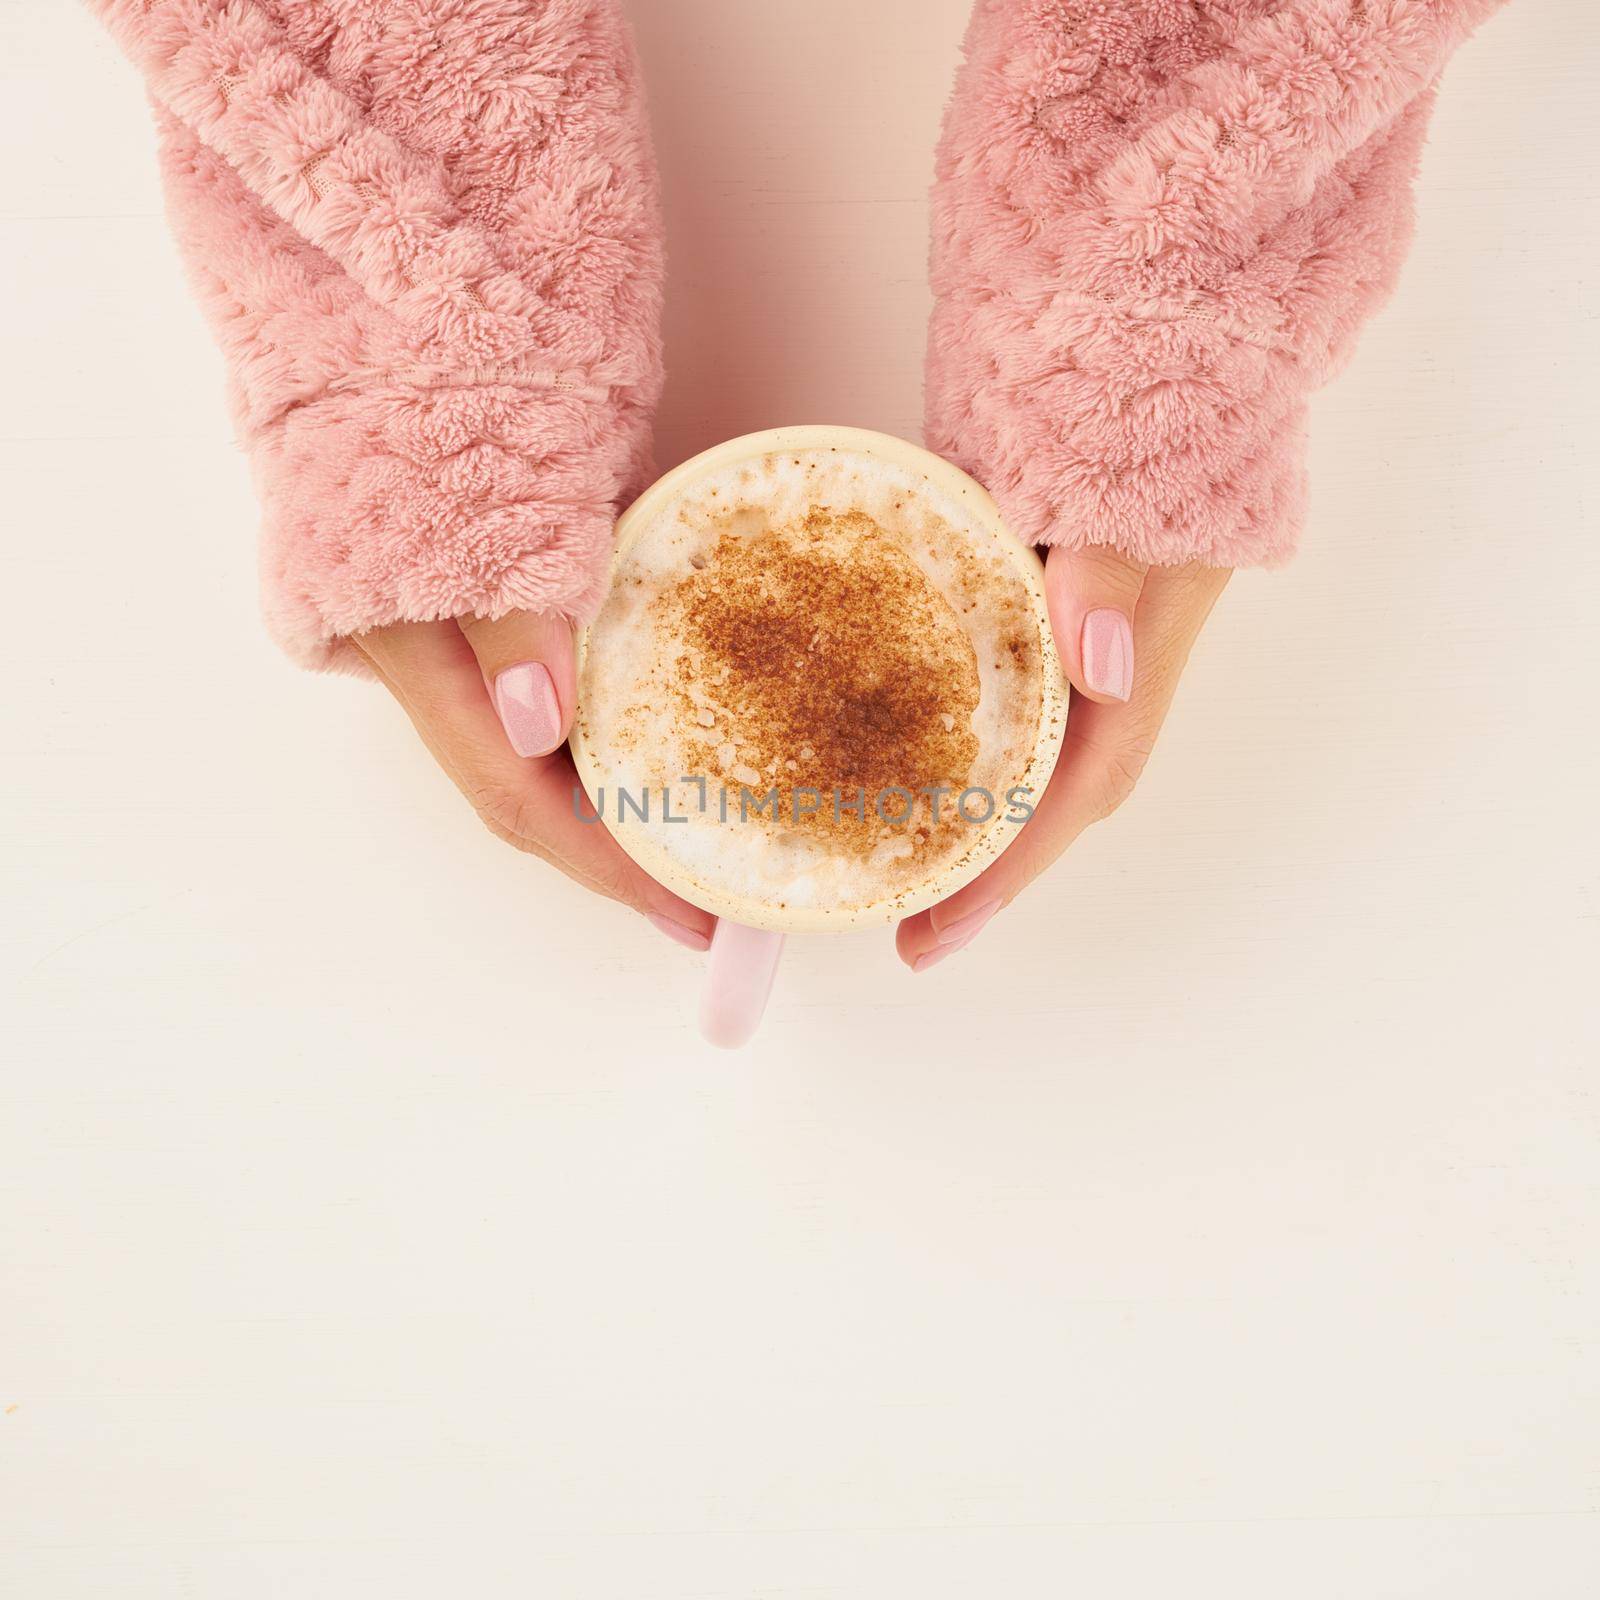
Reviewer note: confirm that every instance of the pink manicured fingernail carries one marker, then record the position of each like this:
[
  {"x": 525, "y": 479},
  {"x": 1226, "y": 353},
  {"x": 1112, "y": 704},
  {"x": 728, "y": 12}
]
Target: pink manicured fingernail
[
  {"x": 955, "y": 936},
  {"x": 525, "y": 697},
  {"x": 932, "y": 958},
  {"x": 1108, "y": 653},
  {"x": 967, "y": 927},
  {"x": 679, "y": 932}
]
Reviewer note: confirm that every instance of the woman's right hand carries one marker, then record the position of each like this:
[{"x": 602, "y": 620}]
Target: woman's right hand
[{"x": 493, "y": 701}]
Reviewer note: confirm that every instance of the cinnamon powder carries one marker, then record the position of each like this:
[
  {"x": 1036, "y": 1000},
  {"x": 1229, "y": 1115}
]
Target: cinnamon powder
[{"x": 820, "y": 656}]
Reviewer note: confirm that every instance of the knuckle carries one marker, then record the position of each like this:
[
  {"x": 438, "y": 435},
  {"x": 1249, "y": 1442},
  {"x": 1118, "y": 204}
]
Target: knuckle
[
  {"x": 1122, "y": 766},
  {"x": 1107, "y": 559},
  {"x": 509, "y": 816},
  {"x": 1099, "y": 574},
  {"x": 503, "y": 809},
  {"x": 613, "y": 880}
]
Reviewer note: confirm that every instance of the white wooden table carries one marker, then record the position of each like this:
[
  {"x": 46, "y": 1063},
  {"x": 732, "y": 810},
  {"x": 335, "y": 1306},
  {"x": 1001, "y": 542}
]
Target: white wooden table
[{"x": 1225, "y": 1223}]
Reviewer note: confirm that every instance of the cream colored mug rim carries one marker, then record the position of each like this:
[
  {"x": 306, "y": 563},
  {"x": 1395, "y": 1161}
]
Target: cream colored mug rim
[{"x": 990, "y": 839}]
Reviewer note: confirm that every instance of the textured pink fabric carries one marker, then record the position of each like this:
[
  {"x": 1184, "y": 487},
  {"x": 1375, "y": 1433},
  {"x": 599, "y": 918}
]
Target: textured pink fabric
[
  {"x": 427, "y": 235},
  {"x": 1158, "y": 225}
]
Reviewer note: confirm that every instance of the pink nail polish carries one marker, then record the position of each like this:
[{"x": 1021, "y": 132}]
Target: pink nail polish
[
  {"x": 525, "y": 697},
  {"x": 967, "y": 927},
  {"x": 932, "y": 958},
  {"x": 1107, "y": 647},
  {"x": 679, "y": 932}
]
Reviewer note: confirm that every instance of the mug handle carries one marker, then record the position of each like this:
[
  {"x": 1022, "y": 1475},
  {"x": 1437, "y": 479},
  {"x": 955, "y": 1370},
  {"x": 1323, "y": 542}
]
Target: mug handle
[{"x": 739, "y": 977}]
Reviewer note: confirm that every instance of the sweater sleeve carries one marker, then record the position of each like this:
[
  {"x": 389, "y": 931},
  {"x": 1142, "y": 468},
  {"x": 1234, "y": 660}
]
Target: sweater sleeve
[
  {"x": 1158, "y": 226},
  {"x": 427, "y": 238}
]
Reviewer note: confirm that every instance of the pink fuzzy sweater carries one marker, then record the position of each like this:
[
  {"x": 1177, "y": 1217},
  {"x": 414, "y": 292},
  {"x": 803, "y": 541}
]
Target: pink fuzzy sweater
[
  {"x": 427, "y": 235},
  {"x": 1158, "y": 225}
]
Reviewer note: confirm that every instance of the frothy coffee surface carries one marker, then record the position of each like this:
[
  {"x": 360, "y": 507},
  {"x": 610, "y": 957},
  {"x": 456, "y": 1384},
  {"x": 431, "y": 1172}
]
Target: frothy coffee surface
[{"x": 796, "y": 655}]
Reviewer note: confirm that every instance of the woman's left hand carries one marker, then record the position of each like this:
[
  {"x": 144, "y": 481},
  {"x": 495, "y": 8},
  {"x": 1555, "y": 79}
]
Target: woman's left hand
[{"x": 1124, "y": 632}]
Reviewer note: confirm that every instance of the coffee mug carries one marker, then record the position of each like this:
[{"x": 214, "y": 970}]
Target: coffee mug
[{"x": 751, "y": 927}]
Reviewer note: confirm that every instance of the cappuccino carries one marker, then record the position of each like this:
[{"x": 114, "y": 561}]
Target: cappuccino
[{"x": 822, "y": 689}]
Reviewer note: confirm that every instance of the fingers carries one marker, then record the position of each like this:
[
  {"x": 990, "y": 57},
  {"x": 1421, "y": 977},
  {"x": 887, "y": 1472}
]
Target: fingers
[
  {"x": 1093, "y": 595},
  {"x": 1103, "y": 754},
  {"x": 527, "y": 662},
  {"x": 538, "y": 806},
  {"x": 1082, "y": 789}
]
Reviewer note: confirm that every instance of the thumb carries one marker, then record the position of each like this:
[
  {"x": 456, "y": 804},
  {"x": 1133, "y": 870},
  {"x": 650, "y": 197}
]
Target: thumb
[
  {"x": 528, "y": 664},
  {"x": 1093, "y": 594}
]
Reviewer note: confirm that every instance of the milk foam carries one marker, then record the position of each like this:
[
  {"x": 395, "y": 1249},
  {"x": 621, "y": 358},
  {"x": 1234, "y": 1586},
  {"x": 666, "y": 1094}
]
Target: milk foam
[{"x": 666, "y": 706}]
